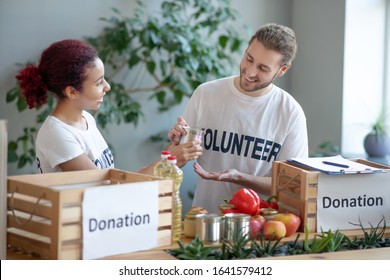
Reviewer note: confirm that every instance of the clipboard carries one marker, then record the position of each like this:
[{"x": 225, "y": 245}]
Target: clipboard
[{"x": 336, "y": 165}]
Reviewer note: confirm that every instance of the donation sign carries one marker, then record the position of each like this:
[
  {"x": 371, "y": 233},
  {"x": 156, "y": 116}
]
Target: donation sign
[
  {"x": 120, "y": 219},
  {"x": 344, "y": 200}
]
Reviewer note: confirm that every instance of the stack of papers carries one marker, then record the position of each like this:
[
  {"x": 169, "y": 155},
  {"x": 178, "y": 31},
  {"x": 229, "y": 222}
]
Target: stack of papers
[{"x": 335, "y": 165}]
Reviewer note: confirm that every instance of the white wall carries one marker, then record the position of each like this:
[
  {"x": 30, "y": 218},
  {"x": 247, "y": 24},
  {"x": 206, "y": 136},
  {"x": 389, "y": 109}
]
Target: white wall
[{"x": 317, "y": 79}]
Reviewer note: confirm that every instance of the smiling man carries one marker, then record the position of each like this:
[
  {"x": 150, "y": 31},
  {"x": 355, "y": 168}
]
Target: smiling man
[{"x": 249, "y": 122}]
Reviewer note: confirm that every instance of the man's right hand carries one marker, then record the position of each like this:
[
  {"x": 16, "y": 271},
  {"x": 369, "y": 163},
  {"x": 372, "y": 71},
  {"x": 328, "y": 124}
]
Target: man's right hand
[{"x": 177, "y": 131}]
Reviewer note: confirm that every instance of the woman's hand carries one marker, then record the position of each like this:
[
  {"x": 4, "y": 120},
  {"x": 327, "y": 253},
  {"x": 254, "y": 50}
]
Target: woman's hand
[
  {"x": 186, "y": 152},
  {"x": 177, "y": 131}
]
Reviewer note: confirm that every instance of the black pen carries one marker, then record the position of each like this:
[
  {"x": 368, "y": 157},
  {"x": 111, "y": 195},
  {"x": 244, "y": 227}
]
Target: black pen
[{"x": 335, "y": 164}]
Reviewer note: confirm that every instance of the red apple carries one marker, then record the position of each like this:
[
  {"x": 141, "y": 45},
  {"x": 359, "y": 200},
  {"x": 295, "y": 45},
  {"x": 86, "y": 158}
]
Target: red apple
[
  {"x": 290, "y": 220},
  {"x": 256, "y": 225},
  {"x": 274, "y": 229},
  {"x": 198, "y": 209}
]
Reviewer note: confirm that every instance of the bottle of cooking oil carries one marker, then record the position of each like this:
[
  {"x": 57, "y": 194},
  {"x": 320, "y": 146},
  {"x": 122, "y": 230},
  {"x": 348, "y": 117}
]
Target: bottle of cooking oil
[
  {"x": 172, "y": 171},
  {"x": 161, "y": 164}
]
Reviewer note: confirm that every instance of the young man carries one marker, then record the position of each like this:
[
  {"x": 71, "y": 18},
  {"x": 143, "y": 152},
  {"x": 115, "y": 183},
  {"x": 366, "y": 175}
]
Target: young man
[{"x": 249, "y": 122}]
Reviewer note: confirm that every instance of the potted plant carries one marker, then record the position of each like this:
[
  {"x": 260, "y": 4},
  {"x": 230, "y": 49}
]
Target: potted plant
[{"x": 377, "y": 142}]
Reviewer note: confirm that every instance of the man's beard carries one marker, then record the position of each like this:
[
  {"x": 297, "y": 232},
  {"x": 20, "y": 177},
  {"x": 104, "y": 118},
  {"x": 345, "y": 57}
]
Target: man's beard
[{"x": 256, "y": 86}]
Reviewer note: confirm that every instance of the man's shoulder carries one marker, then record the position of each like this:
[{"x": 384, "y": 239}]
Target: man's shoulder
[
  {"x": 287, "y": 99},
  {"x": 217, "y": 82}
]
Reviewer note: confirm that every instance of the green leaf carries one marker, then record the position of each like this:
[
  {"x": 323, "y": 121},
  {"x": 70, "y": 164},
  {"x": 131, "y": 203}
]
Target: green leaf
[
  {"x": 131, "y": 117},
  {"x": 12, "y": 146},
  {"x": 133, "y": 60},
  {"x": 22, "y": 161},
  {"x": 151, "y": 65},
  {"x": 178, "y": 94},
  {"x": 235, "y": 45},
  {"x": 12, "y": 94},
  {"x": 163, "y": 67},
  {"x": 21, "y": 104},
  {"x": 43, "y": 115},
  {"x": 223, "y": 39},
  {"x": 160, "y": 95},
  {"x": 12, "y": 156}
]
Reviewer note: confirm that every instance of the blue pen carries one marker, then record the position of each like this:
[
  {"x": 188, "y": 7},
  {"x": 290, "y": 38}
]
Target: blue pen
[{"x": 335, "y": 164}]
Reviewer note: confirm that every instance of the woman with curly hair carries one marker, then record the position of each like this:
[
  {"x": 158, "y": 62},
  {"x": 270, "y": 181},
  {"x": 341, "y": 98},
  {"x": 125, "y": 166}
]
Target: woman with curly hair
[{"x": 69, "y": 139}]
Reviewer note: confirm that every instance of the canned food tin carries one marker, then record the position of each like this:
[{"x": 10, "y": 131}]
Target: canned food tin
[
  {"x": 190, "y": 224},
  {"x": 208, "y": 227},
  {"x": 236, "y": 224},
  {"x": 192, "y": 134}
]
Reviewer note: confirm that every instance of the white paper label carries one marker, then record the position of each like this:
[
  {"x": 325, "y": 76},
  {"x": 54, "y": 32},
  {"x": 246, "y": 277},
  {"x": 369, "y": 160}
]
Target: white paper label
[
  {"x": 346, "y": 199},
  {"x": 120, "y": 219}
]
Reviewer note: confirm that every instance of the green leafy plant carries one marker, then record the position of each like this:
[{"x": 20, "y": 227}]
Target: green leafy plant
[
  {"x": 379, "y": 127},
  {"x": 372, "y": 237},
  {"x": 182, "y": 45},
  {"x": 195, "y": 250},
  {"x": 326, "y": 148},
  {"x": 316, "y": 245},
  {"x": 336, "y": 240},
  {"x": 265, "y": 248},
  {"x": 238, "y": 247}
]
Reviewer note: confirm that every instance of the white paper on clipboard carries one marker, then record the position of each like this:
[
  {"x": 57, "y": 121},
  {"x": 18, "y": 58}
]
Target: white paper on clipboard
[{"x": 317, "y": 163}]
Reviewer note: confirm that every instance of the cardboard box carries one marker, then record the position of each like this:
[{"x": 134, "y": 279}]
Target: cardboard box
[
  {"x": 296, "y": 188},
  {"x": 44, "y": 214}
]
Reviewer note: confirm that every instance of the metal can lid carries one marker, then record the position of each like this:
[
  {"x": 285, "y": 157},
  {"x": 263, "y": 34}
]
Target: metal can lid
[
  {"x": 226, "y": 206},
  {"x": 209, "y": 217},
  {"x": 237, "y": 216},
  {"x": 268, "y": 211}
]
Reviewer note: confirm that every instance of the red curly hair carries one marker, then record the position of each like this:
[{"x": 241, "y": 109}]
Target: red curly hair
[{"x": 62, "y": 64}]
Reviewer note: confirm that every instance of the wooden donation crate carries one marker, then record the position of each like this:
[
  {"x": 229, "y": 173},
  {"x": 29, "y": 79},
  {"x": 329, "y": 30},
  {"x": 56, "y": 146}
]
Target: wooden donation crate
[
  {"x": 296, "y": 188},
  {"x": 44, "y": 211}
]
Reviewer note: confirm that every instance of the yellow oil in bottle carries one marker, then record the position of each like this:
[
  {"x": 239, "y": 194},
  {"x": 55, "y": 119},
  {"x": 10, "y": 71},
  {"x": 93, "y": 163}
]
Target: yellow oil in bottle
[
  {"x": 171, "y": 171},
  {"x": 161, "y": 164}
]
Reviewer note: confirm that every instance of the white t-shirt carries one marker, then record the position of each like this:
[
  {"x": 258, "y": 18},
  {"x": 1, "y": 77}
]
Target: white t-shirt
[
  {"x": 242, "y": 132},
  {"x": 58, "y": 142}
]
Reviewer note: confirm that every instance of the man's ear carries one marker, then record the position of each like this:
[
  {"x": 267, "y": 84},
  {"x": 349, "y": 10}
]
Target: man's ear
[
  {"x": 283, "y": 69},
  {"x": 70, "y": 92}
]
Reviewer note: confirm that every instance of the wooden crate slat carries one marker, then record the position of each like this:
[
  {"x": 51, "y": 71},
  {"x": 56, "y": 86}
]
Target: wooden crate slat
[
  {"x": 164, "y": 237},
  {"x": 48, "y": 180},
  {"x": 42, "y": 227},
  {"x": 25, "y": 242},
  {"x": 129, "y": 177},
  {"x": 71, "y": 251},
  {"x": 71, "y": 232},
  {"x": 292, "y": 201},
  {"x": 71, "y": 214},
  {"x": 29, "y": 189},
  {"x": 311, "y": 207},
  {"x": 43, "y": 208}
]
